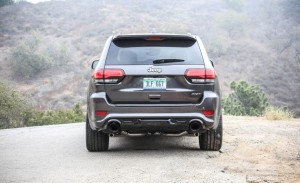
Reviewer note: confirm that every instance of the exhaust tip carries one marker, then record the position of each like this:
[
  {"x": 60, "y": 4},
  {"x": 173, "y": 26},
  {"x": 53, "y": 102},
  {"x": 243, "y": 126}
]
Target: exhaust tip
[
  {"x": 196, "y": 125},
  {"x": 114, "y": 126}
]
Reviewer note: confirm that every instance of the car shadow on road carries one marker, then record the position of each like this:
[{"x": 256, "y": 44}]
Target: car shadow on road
[
  {"x": 156, "y": 146},
  {"x": 149, "y": 143}
]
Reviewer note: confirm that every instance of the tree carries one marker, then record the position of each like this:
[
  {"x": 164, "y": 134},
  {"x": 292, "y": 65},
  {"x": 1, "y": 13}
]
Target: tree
[{"x": 34, "y": 55}]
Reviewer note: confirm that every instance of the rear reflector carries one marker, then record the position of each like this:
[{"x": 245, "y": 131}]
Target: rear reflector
[
  {"x": 200, "y": 75},
  {"x": 208, "y": 112},
  {"x": 109, "y": 75},
  {"x": 101, "y": 113}
]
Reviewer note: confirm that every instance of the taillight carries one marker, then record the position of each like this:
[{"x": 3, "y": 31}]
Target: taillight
[
  {"x": 208, "y": 113},
  {"x": 101, "y": 113},
  {"x": 154, "y": 38},
  {"x": 200, "y": 75},
  {"x": 109, "y": 75}
]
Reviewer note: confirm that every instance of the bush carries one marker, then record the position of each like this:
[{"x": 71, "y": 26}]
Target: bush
[
  {"x": 245, "y": 100},
  {"x": 12, "y": 106},
  {"x": 233, "y": 22},
  {"x": 34, "y": 55},
  {"x": 5, "y": 2},
  {"x": 60, "y": 116},
  {"x": 278, "y": 113},
  {"x": 16, "y": 111},
  {"x": 218, "y": 46},
  {"x": 59, "y": 55}
]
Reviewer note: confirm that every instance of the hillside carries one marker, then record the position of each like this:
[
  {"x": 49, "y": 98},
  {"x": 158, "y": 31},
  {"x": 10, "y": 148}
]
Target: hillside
[{"x": 256, "y": 41}]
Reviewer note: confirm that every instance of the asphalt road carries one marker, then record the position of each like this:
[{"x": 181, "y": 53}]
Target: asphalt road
[{"x": 57, "y": 154}]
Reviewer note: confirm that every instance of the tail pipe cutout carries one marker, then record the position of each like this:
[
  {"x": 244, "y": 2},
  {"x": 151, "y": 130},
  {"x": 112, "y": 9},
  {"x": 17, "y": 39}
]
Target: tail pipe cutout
[
  {"x": 196, "y": 126},
  {"x": 114, "y": 126}
]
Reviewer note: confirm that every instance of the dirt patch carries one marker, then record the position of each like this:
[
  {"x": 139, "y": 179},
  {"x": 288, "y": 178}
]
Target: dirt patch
[{"x": 262, "y": 150}]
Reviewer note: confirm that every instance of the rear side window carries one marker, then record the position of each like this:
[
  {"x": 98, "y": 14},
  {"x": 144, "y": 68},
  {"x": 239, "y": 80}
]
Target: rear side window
[{"x": 143, "y": 52}]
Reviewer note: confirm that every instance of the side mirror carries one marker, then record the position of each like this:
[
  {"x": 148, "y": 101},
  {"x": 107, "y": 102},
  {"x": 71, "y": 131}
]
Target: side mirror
[
  {"x": 94, "y": 64},
  {"x": 212, "y": 63}
]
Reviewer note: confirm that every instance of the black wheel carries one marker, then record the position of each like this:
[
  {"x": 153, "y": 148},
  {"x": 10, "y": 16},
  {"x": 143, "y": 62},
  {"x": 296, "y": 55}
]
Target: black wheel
[
  {"x": 211, "y": 140},
  {"x": 95, "y": 141}
]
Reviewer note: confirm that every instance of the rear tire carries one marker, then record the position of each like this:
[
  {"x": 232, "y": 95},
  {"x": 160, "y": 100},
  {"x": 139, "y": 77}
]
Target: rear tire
[
  {"x": 95, "y": 140},
  {"x": 211, "y": 140}
]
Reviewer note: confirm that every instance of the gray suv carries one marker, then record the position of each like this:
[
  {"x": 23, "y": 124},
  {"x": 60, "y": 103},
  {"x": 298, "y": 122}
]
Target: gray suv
[{"x": 153, "y": 84}]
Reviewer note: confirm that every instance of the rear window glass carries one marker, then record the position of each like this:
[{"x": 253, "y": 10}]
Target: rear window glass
[{"x": 143, "y": 52}]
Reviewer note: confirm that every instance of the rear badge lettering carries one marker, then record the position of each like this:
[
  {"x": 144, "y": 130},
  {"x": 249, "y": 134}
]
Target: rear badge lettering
[
  {"x": 196, "y": 94},
  {"x": 158, "y": 70}
]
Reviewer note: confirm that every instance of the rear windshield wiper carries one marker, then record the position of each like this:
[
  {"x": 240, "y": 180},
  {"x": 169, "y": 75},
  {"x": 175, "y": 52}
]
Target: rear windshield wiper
[{"x": 168, "y": 60}]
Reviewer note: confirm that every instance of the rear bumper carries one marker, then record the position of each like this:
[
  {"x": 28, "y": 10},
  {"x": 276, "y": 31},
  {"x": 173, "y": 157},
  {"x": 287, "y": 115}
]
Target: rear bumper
[{"x": 166, "y": 118}]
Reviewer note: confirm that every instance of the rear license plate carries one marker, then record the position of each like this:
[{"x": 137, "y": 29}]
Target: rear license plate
[{"x": 155, "y": 83}]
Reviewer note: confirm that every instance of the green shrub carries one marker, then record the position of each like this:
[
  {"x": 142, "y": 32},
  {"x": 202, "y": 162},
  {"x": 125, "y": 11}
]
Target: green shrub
[
  {"x": 12, "y": 107},
  {"x": 59, "y": 55},
  {"x": 16, "y": 111},
  {"x": 278, "y": 113},
  {"x": 60, "y": 116},
  {"x": 34, "y": 55},
  {"x": 5, "y": 2},
  {"x": 28, "y": 62},
  {"x": 245, "y": 100}
]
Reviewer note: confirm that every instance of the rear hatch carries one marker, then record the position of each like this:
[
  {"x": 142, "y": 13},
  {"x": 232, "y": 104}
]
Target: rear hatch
[{"x": 154, "y": 69}]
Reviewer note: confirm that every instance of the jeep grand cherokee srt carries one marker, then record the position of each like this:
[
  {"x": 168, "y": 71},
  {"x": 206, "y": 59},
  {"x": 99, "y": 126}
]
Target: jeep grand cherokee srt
[{"x": 153, "y": 84}]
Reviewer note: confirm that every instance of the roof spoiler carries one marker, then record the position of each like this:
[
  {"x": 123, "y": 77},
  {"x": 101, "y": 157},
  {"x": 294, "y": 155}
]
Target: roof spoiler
[{"x": 154, "y": 37}]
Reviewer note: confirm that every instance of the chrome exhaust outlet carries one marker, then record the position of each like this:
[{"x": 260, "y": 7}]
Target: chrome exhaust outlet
[
  {"x": 196, "y": 125},
  {"x": 114, "y": 126}
]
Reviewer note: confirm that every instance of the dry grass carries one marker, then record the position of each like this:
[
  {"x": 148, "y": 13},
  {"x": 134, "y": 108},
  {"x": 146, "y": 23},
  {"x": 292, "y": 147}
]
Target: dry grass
[{"x": 278, "y": 113}]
